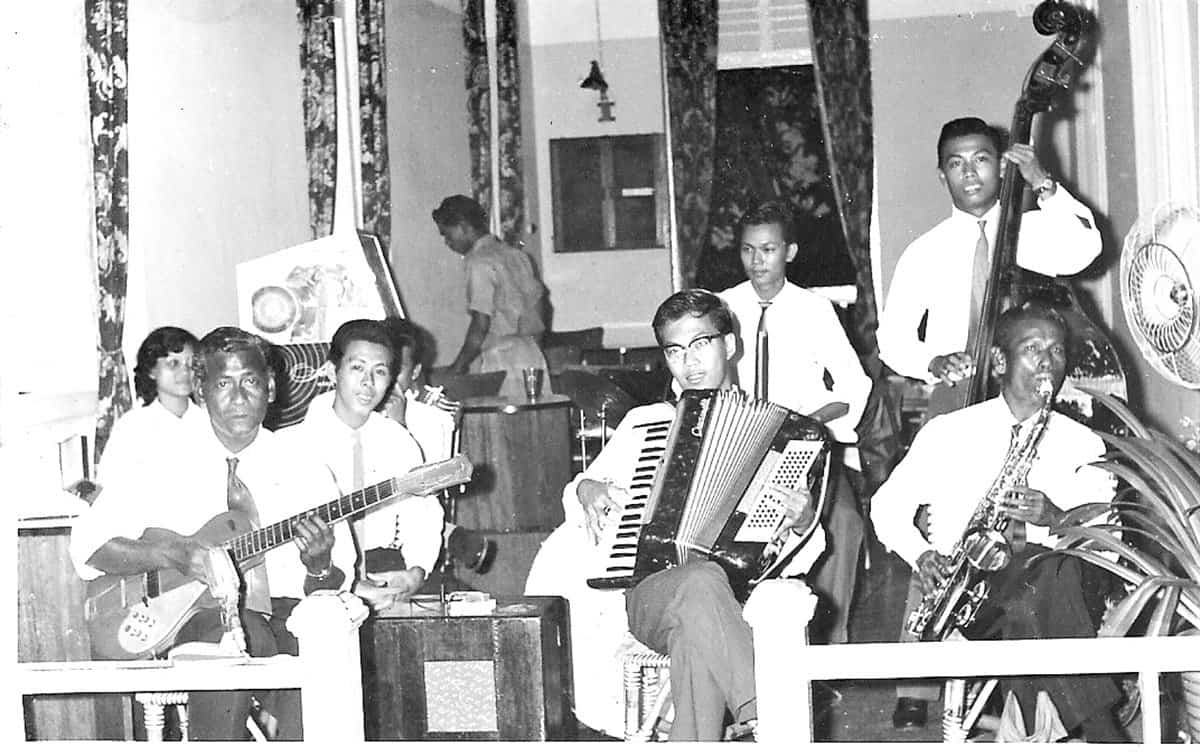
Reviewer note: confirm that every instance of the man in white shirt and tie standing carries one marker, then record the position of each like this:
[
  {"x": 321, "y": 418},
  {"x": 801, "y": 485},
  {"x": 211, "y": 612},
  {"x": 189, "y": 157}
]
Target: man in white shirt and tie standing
[
  {"x": 794, "y": 352},
  {"x": 936, "y": 290}
]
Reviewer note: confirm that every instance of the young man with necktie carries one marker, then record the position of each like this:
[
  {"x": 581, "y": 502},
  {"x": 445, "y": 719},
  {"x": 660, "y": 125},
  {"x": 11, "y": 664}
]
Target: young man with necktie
[
  {"x": 144, "y": 518},
  {"x": 398, "y": 543},
  {"x": 933, "y": 304},
  {"x": 936, "y": 291},
  {"x": 807, "y": 363}
]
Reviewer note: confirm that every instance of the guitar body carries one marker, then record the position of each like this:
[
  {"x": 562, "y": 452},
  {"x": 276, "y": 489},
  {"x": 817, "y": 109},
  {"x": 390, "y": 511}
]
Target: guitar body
[{"x": 137, "y": 616}]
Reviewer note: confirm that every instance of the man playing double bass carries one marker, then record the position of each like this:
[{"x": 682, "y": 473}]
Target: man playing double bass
[{"x": 936, "y": 293}]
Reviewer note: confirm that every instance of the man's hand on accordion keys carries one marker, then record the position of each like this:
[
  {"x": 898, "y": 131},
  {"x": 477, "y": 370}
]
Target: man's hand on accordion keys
[
  {"x": 601, "y": 501},
  {"x": 798, "y": 514}
]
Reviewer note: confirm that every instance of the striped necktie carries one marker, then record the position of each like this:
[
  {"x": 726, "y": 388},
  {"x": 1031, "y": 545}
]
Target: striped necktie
[
  {"x": 761, "y": 369},
  {"x": 239, "y": 499}
]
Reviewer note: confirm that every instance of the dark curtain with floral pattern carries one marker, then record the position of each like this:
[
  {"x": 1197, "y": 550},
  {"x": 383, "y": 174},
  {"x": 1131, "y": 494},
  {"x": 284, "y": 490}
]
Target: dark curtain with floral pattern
[
  {"x": 372, "y": 107},
  {"x": 770, "y": 146},
  {"x": 689, "y": 37},
  {"x": 318, "y": 66},
  {"x": 107, "y": 58},
  {"x": 511, "y": 195},
  {"x": 842, "y": 59},
  {"x": 479, "y": 108}
]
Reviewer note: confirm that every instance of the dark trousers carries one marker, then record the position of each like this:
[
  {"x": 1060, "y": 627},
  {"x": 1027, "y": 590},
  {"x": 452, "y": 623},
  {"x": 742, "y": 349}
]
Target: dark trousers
[
  {"x": 835, "y": 573},
  {"x": 221, "y": 715},
  {"x": 1046, "y": 601},
  {"x": 690, "y": 613}
]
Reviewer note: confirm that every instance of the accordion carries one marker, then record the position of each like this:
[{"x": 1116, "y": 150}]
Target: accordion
[{"x": 713, "y": 484}]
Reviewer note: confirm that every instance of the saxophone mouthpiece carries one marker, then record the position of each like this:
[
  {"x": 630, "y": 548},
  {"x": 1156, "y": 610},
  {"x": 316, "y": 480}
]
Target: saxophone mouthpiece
[{"x": 1043, "y": 387}]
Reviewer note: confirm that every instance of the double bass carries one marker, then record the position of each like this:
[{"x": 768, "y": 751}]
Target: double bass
[{"x": 1092, "y": 361}]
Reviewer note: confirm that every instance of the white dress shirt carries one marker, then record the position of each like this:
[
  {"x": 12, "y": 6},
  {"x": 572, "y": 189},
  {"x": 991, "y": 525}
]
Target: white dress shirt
[
  {"x": 953, "y": 462},
  {"x": 805, "y": 338},
  {"x": 934, "y": 275},
  {"x": 413, "y": 524},
  {"x": 184, "y": 484},
  {"x": 568, "y": 557},
  {"x": 142, "y": 430}
]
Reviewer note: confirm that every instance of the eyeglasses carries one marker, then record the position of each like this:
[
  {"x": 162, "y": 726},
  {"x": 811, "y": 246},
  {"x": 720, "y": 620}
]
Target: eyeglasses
[{"x": 675, "y": 352}]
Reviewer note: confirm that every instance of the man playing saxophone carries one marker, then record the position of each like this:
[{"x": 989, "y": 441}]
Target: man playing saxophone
[{"x": 1003, "y": 462}]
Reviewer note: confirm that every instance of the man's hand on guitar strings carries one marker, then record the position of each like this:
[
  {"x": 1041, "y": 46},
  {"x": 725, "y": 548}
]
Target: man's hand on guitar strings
[
  {"x": 315, "y": 540},
  {"x": 219, "y": 574}
]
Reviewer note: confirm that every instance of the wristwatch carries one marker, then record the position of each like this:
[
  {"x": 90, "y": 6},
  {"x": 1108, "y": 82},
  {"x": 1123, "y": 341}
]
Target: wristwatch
[{"x": 1045, "y": 185}]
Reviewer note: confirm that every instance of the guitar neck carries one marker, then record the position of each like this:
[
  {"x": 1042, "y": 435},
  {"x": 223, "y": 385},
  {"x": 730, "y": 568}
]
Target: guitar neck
[{"x": 421, "y": 480}]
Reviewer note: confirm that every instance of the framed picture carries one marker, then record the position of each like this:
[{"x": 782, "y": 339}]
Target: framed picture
[{"x": 302, "y": 294}]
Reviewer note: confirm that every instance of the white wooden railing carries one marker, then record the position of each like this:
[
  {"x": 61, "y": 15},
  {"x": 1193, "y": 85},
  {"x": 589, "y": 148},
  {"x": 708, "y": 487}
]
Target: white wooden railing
[
  {"x": 785, "y": 665},
  {"x": 327, "y": 671}
]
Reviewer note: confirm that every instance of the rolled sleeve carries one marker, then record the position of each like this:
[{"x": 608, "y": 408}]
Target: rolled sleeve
[{"x": 481, "y": 287}]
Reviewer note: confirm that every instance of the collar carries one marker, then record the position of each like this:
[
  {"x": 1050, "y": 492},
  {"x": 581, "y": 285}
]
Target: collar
[
  {"x": 992, "y": 216},
  {"x": 320, "y": 413},
  {"x": 481, "y": 241}
]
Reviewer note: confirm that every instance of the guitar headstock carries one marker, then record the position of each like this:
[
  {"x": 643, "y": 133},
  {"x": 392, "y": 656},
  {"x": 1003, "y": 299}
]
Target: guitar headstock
[{"x": 433, "y": 477}]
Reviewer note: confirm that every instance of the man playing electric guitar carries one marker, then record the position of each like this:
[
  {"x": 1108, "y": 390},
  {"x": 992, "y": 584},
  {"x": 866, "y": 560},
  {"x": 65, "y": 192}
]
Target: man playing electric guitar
[{"x": 141, "y": 523}]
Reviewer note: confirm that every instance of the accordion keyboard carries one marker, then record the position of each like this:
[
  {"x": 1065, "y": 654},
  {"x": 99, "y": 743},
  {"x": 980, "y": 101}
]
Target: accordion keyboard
[{"x": 619, "y": 542}]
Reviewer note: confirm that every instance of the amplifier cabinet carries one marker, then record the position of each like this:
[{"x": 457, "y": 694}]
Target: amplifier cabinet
[{"x": 503, "y": 676}]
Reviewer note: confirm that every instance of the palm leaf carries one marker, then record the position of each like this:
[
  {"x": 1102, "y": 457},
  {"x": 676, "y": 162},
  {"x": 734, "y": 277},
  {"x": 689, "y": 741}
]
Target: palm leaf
[
  {"x": 1121, "y": 410},
  {"x": 1164, "y": 611},
  {"x": 1122, "y": 616},
  {"x": 1150, "y": 567},
  {"x": 1190, "y": 459},
  {"x": 1159, "y": 465},
  {"x": 1150, "y": 495}
]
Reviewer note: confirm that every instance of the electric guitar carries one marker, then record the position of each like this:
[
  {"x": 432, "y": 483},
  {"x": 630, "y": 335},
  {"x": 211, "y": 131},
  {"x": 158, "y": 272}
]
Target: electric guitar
[{"x": 137, "y": 616}]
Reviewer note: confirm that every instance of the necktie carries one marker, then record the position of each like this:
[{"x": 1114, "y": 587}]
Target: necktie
[
  {"x": 760, "y": 366},
  {"x": 239, "y": 499},
  {"x": 1015, "y": 532},
  {"x": 979, "y": 277},
  {"x": 357, "y": 524}
]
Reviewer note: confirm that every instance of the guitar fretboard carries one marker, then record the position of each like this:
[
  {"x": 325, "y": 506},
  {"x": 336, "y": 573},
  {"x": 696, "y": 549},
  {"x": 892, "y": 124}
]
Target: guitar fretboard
[{"x": 258, "y": 541}]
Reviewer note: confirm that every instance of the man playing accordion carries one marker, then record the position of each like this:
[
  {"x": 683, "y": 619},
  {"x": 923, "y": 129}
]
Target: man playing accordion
[{"x": 688, "y": 612}]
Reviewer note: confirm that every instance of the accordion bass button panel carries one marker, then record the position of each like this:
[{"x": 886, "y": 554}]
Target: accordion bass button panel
[{"x": 782, "y": 473}]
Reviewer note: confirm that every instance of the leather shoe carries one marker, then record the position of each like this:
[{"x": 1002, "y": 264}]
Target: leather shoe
[
  {"x": 910, "y": 713},
  {"x": 470, "y": 549}
]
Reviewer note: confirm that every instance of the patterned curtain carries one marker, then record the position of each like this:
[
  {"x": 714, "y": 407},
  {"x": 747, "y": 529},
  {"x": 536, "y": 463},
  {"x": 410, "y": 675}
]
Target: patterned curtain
[
  {"x": 508, "y": 130},
  {"x": 842, "y": 58},
  {"x": 372, "y": 105},
  {"x": 770, "y": 146},
  {"x": 318, "y": 66},
  {"x": 689, "y": 34},
  {"x": 479, "y": 114},
  {"x": 107, "y": 56}
]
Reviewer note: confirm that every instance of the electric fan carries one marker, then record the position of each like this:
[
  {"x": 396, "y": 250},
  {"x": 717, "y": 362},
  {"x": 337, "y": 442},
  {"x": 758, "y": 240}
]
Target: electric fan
[{"x": 1160, "y": 272}]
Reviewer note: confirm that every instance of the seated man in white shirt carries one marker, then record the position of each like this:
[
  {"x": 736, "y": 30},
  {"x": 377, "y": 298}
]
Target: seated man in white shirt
[
  {"x": 688, "y": 612},
  {"x": 430, "y": 418},
  {"x": 150, "y": 519},
  {"x": 808, "y": 363},
  {"x": 398, "y": 543},
  {"x": 923, "y": 329},
  {"x": 923, "y": 509}
]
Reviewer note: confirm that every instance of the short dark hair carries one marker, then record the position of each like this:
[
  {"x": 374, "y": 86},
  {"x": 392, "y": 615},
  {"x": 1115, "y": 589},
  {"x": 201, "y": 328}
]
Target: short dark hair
[
  {"x": 766, "y": 213},
  {"x": 695, "y": 303},
  {"x": 158, "y": 344},
  {"x": 227, "y": 340},
  {"x": 372, "y": 331},
  {"x": 406, "y": 333},
  {"x": 968, "y": 126},
  {"x": 1033, "y": 309},
  {"x": 457, "y": 209}
]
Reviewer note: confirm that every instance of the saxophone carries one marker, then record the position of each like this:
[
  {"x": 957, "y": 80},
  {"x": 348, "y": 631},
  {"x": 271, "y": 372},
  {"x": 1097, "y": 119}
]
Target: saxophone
[{"x": 983, "y": 547}]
